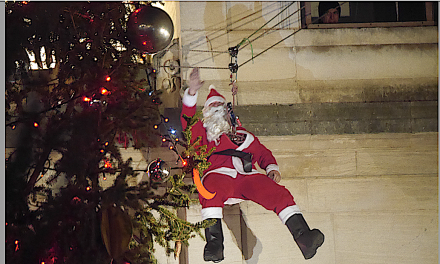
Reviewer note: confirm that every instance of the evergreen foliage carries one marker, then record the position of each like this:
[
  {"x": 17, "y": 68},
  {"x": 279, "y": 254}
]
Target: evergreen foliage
[{"x": 64, "y": 112}]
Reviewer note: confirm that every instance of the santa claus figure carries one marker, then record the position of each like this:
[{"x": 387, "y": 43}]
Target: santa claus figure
[{"x": 233, "y": 177}]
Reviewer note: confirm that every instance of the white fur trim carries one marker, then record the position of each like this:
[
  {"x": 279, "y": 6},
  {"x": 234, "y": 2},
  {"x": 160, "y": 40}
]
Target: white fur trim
[
  {"x": 189, "y": 100},
  {"x": 238, "y": 165},
  {"x": 272, "y": 167},
  {"x": 213, "y": 99},
  {"x": 222, "y": 170},
  {"x": 287, "y": 212},
  {"x": 212, "y": 212},
  {"x": 247, "y": 142},
  {"x": 233, "y": 201},
  {"x": 211, "y": 86},
  {"x": 236, "y": 161}
]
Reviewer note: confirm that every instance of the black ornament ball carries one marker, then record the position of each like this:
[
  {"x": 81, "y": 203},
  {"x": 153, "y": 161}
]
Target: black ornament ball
[
  {"x": 150, "y": 29},
  {"x": 158, "y": 171}
]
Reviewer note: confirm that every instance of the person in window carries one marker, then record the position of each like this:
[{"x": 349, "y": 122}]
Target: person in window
[
  {"x": 329, "y": 12},
  {"x": 232, "y": 175}
]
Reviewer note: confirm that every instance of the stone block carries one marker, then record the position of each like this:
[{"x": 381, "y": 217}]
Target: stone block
[
  {"x": 376, "y": 193},
  {"x": 386, "y": 237},
  {"x": 424, "y": 125},
  {"x": 423, "y": 141},
  {"x": 382, "y": 126},
  {"x": 424, "y": 109},
  {"x": 317, "y": 163},
  {"x": 404, "y": 162}
]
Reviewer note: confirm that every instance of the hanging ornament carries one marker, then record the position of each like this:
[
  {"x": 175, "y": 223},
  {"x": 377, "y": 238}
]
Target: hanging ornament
[
  {"x": 158, "y": 171},
  {"x": 150, "y": 29}
]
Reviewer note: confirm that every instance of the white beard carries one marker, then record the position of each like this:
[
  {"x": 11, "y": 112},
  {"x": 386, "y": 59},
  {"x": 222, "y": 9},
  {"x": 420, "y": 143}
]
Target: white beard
[{"x": 215, "y": 122}]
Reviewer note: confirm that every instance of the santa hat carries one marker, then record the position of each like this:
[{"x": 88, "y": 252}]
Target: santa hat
[{"x": 214, "y": 96}]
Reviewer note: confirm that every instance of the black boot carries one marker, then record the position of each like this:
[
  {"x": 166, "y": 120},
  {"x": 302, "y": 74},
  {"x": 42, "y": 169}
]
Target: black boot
[
  {"x": 214, "y": 242},
  {"x": 307, "y": 240}
]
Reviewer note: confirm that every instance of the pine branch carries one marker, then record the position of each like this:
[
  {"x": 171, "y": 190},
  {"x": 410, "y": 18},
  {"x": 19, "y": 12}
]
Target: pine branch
[{"x": 37, "y": 170}]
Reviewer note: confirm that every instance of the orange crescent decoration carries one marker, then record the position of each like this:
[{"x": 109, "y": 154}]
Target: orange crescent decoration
[{"x": 200, "y": 186}]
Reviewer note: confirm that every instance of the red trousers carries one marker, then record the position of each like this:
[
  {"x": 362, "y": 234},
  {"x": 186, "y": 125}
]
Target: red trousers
[{"x": 256, "y": 187}]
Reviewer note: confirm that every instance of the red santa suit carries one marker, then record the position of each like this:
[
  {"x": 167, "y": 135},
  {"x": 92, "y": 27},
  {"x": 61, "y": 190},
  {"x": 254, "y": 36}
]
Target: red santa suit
[{"x": 226, "y": 176}]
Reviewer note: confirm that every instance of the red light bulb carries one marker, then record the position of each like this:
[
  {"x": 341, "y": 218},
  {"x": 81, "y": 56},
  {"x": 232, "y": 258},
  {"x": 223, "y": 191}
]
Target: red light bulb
[{"x": 107, "y": 164}]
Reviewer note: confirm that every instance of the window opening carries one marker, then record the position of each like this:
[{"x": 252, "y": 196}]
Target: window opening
[{"x": 373, "y": 14}]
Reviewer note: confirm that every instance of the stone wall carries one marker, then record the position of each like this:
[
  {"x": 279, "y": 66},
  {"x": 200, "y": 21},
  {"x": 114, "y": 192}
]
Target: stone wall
[
  {"x": 351, "y": 116},
  {"x": 311, "y": 66}
]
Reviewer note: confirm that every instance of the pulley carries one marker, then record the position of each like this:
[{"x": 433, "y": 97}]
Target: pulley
[{"x": 233, "y": 65}]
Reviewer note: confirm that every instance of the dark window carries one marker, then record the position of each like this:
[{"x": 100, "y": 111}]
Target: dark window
[
  {"x": 411, "y": 11},
  {"x": 425, "y": 13}
]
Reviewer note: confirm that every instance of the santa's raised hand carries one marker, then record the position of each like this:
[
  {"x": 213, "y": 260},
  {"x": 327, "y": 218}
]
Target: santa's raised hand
[{"x": 194, "y": 81}]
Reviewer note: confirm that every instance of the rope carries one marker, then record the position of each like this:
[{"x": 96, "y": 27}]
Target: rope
[
  {"x": 274, "y": 26},
  {"x": 268, "y": 48},
  {"x": 210, "y": 51},
  {"x": 252, "y": 50},
  {"x": 250, "y": 42},
  {"x": 238, "y": 20},
  {"x": 200, "y": 67},
  {"x": 317, "y": 19},
  {"x": 244, "y": 40}
]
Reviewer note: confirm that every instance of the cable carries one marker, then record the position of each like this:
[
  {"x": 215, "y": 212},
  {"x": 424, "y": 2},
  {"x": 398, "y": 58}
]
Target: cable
[
  {"x": 249, "y": 43},
  {"x": 200, "y": 67},
  {"x": 265, "y": 24},
  {"x": 227, "y": 31},
  {"x": 317, "y": 19},
  {"x": 268, "y": 48},
  {"x": 246, "y": 39},
  {"x": 215, "y": 51},
  {"x": 264, "y": 33}
]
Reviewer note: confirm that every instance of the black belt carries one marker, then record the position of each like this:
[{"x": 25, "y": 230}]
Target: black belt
[{"x": 245, "y": 157}]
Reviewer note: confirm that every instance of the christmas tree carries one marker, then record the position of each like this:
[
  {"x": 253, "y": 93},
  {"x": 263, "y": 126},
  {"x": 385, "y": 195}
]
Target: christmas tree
[{"x": 82, "y": 100}]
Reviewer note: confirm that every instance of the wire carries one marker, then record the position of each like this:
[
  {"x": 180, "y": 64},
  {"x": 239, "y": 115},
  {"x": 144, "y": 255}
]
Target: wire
[
  {"x": 317, "y": 19},
  {"x": 250, "y": 41},
  {"x": 238, "y": 20},
  {"x": 200, "y": 67},
  {"x": 268, "y": 48},
  {"x": 244, "y": 39},
  {"x": 223, "y": 29},
  {"x": 265, "y": 24},
  {"x": 264, "y": 33}
]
